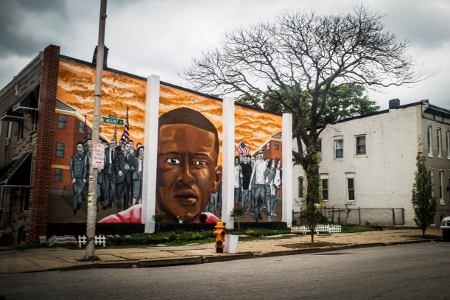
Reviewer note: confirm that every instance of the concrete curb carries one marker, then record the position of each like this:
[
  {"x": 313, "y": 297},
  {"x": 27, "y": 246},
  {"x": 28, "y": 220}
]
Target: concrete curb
[{"x": 167, "y": 262}]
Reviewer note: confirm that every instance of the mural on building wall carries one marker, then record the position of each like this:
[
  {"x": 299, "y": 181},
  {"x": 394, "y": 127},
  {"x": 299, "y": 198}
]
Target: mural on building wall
[{"x": 189, "y": 153}]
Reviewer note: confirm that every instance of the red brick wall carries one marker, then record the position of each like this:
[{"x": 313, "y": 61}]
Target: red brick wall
[
  {"x": 44, "y": 151},
  {"x": 69, "y": 137}
]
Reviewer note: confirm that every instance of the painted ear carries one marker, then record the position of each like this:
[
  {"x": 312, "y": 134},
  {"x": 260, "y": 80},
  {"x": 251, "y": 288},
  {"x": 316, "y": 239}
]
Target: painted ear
[{"x": 218, "y": 179}]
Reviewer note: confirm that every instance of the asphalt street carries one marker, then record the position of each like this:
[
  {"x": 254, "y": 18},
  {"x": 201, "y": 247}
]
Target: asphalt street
[{"x": 406, "y": 271}]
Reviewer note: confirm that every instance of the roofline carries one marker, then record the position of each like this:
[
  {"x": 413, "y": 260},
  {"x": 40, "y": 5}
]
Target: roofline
[
  {"x": 380, "y": 112},
  {"x": 36, "y": 60}
]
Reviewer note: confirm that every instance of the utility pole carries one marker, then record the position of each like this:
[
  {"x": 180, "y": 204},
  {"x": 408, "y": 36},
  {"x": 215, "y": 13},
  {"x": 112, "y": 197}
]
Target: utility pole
[{"x": 93, "y": 171}]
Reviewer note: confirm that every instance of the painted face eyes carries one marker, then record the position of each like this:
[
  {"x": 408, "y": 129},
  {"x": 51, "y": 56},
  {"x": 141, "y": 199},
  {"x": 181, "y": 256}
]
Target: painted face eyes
[
  {"x": 201, "y": 163},
  {"x": 176, "y": 161},
  {"x": 173, "y": 161}
]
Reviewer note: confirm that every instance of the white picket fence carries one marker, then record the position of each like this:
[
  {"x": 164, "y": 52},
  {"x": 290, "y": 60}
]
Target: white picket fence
[
  {"x": 61, "y": 240},
  {"x": 319, "y": 229},
  {"x": 99, "y": 240}
]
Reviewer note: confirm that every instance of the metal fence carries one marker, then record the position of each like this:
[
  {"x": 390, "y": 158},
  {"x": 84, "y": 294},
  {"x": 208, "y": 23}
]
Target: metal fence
[{"x": 359, "y": 216}]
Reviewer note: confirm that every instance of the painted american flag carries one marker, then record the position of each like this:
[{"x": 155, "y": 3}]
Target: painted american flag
[
  {"x": 243, "y": 148},
  {"x": 125, "y": 135}
]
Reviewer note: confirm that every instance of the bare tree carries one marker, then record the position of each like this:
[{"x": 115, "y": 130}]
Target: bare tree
[{"x": 301, "y": 52}]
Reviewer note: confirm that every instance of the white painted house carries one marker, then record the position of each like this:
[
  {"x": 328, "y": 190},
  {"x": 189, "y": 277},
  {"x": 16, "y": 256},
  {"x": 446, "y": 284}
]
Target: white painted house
[{"x": 368, "y": 164}]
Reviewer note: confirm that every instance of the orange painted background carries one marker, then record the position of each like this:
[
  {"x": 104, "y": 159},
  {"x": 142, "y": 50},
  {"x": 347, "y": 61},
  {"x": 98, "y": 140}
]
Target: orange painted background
[
  {"x": 76, "y": 84},
  {"x": 76, "y": 88}
]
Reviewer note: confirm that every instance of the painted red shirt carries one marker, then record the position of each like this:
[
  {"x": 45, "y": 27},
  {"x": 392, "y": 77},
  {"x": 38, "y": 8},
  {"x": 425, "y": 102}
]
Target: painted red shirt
[{"x": 134, "y": 215}]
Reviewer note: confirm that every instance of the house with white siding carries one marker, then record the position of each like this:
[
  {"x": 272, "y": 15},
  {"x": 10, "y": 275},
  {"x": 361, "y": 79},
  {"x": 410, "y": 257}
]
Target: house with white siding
[{"x": 368, "y": 163}]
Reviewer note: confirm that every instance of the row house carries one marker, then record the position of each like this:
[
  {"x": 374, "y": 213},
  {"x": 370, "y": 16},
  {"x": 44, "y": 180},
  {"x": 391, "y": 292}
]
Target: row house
[{"x": 368, "y": 163}]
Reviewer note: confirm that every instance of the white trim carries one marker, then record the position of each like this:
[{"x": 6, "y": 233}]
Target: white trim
[
  {"x": 151, "y": 152},
  {"x": 356, "y": 144},
  {"x": 430, "y": 141},
  {"x": 336, "y": 142},
  {"x": 447, "y": 143},
  {"x": 439, "y": 142},
  {"x": 287, "y": 170},
  {"x": 441, "y": 187},
  {"x": 228, "y": 150},
  {"x": 350, "y": 175},
  {"x": 9, "y": 130}
]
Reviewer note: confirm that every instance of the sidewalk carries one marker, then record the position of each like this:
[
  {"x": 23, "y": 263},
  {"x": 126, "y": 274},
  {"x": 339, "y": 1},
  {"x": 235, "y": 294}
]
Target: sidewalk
[{"x": 59, "y": 258}]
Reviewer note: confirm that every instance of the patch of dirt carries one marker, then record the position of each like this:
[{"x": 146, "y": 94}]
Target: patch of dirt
[{"x": 309, "y": 245}]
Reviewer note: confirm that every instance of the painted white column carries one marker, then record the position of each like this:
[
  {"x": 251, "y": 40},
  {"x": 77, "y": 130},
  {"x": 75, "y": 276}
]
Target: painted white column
[
  {"x": 287, "y": 170},
  {"x": 228, "y": 161},
  {"x": 150, "y": 153}
]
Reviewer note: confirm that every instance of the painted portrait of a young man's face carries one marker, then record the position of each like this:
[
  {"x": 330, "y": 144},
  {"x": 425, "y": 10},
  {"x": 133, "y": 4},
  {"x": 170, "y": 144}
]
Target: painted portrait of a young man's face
[{"x": 187, "y": 170}]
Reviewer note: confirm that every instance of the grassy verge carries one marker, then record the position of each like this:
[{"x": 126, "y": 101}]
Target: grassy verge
[
  {"x": 356, "y": 228},
  {"x": 181, "y": 237}
]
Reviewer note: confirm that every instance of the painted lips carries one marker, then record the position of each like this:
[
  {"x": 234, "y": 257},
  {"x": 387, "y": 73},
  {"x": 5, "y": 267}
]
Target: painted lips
[{"x": 186, "y": 198}]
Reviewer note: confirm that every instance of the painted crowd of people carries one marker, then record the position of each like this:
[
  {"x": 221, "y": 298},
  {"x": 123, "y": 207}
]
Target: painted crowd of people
[
  {"x": 257, "y": 183},
  {"x": 120, "y": 178}
]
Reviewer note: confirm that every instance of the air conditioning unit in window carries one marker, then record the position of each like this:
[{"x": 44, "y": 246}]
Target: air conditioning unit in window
[
  {"x": 34, "y": 127},
  {"x": 7, "y": 141}
]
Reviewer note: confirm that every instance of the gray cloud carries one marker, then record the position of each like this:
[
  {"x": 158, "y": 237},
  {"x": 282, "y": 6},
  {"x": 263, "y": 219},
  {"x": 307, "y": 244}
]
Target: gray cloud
[
  {"x": 16, "y": 37},
  {"x": 424, "y": 23},
  {"x": 161, "y": 37}
]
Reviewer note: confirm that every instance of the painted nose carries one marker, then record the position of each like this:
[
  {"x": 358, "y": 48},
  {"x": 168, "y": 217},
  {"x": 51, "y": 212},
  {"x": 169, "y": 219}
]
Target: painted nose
[{"x": 186, "y": 177}]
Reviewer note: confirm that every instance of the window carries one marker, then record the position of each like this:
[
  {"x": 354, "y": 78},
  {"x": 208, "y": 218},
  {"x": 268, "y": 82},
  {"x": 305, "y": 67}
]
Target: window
[
  {"x": 441, "y": 187},
  {"x": 447, "y": 143},
  {"x": 300, "y": 187},
  {"x": 20, "y": 130},
  {"x": 430, "y": 142},
  {"x": 9, "y": 130},
  {"x": 319, "y": 145},
  {"x": 62, "y": 120},
  {"x": 325, "y": 189},
  {"x": 439, "y": 143},
  {"x": 360, "y": 145},
  {"x": 277, "y": 145},
  {"x": 35, "y": 118},
  {"x": 8, "y": 133},
  {"x": 432, "y": 183},
  {"x": 60, "y": 149},
  {"x": 81, "y": 127},
  {"x": 25, "y": 199},
  {"x": 339, "y": 148},
  {"x": 350, "y": 186},
  {"x": 58, "y": 175}
]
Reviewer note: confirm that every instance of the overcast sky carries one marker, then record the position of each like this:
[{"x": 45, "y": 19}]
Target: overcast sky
[{"x": 161, "y": 37}]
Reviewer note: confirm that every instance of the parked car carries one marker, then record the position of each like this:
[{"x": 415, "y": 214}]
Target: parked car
[{"x": 445, "y": 228}]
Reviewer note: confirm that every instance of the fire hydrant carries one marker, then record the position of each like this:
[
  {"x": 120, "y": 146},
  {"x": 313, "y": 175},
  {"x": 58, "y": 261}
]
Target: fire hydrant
[{"x": 220, "y": 235}]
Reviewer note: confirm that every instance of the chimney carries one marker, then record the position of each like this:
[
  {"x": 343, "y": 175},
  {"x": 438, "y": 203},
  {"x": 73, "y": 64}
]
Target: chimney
[
  {"x": 329, "y": 119},
  {"x": 394, "y": 103},
  {"x": 105, "y": 56}
]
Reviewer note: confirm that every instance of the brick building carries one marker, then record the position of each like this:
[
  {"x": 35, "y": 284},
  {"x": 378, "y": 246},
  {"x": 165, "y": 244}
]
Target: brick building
[
  {"x": 43, "y": 114},
  {"x": 26, "y": 155}
]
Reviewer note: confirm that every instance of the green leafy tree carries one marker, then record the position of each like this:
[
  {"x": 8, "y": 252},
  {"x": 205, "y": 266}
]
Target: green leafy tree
[
  {"x": 348, "y": 101},
  {"x": 423, "y": 202},
  {"x": 159, "y": 219},
  {"x": 296, "y": 60},
  {"x": 344, "y": 101},
  {"x": 237, "y": 212}
]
